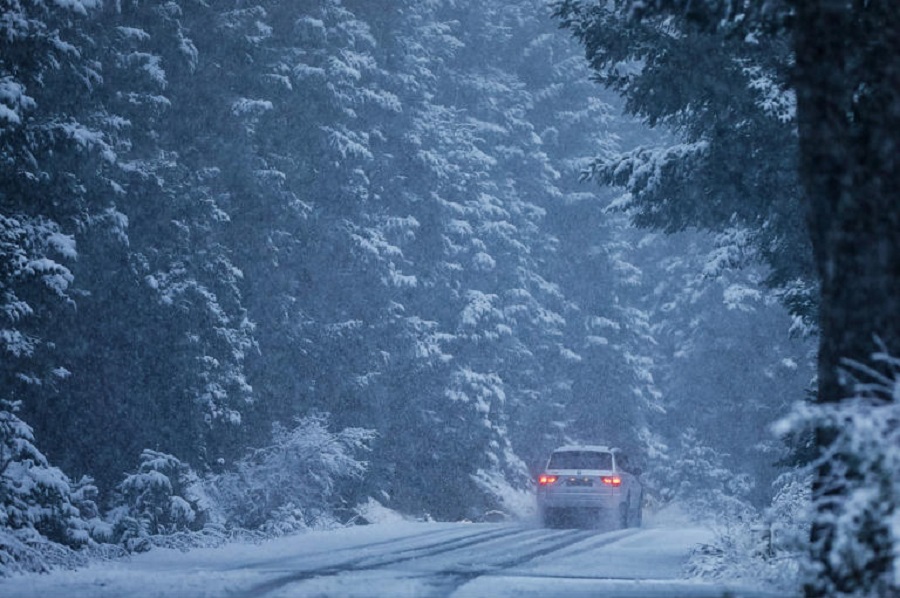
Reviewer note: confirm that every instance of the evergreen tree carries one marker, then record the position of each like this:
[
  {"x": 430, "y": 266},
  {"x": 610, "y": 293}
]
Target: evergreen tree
[
  {"x": 43, "y": 199},
  {"x": 722, "y": 353},
  {"x": 156, "y": 342},
  {"x": 697, "y": 177}
]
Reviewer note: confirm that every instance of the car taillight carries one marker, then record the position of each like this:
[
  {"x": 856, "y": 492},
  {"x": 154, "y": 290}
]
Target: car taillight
[
  {"x": 545, "y": 479},
  {"x": 611, "y": 480}
]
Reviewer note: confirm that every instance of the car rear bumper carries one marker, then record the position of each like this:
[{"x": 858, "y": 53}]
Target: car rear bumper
[{"x": 570, "y": 501}]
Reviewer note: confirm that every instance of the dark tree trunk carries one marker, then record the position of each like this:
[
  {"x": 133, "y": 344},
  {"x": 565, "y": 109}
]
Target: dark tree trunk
[{"x": 848, "y": 98}]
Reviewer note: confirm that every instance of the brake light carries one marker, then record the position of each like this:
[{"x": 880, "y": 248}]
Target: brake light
[
  {"x": 611, "y": 480},
  {"x": 545, "y": 479}
]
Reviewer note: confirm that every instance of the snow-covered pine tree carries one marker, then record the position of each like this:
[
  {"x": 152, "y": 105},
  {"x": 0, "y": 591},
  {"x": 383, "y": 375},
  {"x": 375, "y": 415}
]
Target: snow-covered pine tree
[
  {"x": 306, "y": 109},
  {"x": 47, "y": 194},
  {"x": 157, "y": 342},
  {"x": 697, "y": 176},
  {"x": 606, "y": 385},
  {"x": 723, "y": 353},
  {"x": 155, "y": 500},
  {"x": 38, "y": 519},
  {"x": 43, "y": 195}
]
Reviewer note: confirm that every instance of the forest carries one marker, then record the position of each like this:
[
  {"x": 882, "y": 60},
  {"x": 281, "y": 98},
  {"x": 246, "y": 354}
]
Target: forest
[{"x": 266, "y": 263}]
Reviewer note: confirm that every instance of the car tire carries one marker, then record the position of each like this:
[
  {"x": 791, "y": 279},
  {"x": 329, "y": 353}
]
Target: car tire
[
  {"x": 623, "y": 513},
  {"x": 549, "y": 518},
  {"x": 639, "y": 514}
]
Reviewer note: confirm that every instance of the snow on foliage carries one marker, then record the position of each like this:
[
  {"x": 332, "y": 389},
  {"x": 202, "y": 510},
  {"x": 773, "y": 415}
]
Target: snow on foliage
[
  {"x": 766, "y": 548},
  {"x": 480, "y": 390},
  {"x": 774, "y": 99},
  {"x": 480, "y": 311},
  {"x": 347, "y": 143},
  {"x": 855, "y": 506},
  {"x": 733, "y": 249},
  {"x": 152, "y": 500},
  {"x": 429, "y": 340},
  {"x": 513, "y": 502},
  {"x": 644, "y": 169},
  {"x": 38, "y": 520},
  {"x": 741, "y": 297},
  {"x": 13, "y": 100},
  {"x": 285, "y": 487},
  {"x": 250, "y": 106},
  {"x": 697, "y": 478},
  {"x": 759, "y": 547},
  {"x": 150, "y": 64},
  {"x": 483, "y": 262},
  {"x": 291, "y": 484},
  {"x": 133, "y": 33},
  {"x": 26, "y": 244},
  {"x": 78, "y": 6},
  {"x": 26, "y": 247}
]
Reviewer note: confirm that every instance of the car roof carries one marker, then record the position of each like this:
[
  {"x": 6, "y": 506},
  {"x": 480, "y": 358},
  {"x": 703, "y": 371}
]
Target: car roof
[{"x": 585, "y": 447}]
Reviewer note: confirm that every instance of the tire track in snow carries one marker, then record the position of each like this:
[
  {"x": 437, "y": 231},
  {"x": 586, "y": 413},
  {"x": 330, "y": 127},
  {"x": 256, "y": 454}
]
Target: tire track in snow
[
  {"x": 451, "y": 580},
  {"x": 355, "y": 548},
  {"x": 371, "y": 562}
]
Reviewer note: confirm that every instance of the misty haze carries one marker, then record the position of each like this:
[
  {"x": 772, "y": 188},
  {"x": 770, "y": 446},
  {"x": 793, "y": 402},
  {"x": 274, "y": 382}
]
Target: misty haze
[{"x": 443, "y": 298}]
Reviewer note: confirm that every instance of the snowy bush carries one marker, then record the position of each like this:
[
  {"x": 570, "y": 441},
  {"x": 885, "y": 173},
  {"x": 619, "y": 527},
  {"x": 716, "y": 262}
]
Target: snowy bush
[
  {"x": 698, "y": 480},
  {"x": 512, "y": 502},
  {"x": 765, "y": 548},
  {"x": 372, "y": 511},
  {"x": 790, "y": 512},
  {"x": 156, "y": 500},
  {"x": 38, "y": 520},
  {"x": 85, "y": 496},
  {"x": 859, "y": 489},
  {"x": 290, "y": 484},
  {"x": 761, "y": 547}
]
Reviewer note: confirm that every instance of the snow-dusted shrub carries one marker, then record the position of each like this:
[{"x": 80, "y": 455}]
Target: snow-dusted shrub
[
  {"x": 290, "y": 484},
  {"x": 372, "y": 511},
  {"x": 156, "y": 500},
  {"x": 747, "y": 544},
  {"x": 27, "y": 551},
  {"x": 859, "y": 487},
  {"x": 209, "y": 536},
  {"x": 763, "y": 549},
  {"x": 85, "y": 496},
  {"x": 697, "y": 479},
  {"x": 38, "y": 520},
  {"x": 789, "y": 515},
  {"x": 511, "y": 502}
]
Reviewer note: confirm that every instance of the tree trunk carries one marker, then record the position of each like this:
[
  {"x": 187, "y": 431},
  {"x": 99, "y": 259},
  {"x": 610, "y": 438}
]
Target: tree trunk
[{"x": 848, "y": 103}]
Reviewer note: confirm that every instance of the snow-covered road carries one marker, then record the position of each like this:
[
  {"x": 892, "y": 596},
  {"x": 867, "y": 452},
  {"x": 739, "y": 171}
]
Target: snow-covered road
[{"x": 405, "y": 559}]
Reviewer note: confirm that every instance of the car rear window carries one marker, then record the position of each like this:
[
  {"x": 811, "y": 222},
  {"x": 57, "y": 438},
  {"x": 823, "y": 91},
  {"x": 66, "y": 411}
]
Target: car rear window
[{"x": 580, "y": 460}]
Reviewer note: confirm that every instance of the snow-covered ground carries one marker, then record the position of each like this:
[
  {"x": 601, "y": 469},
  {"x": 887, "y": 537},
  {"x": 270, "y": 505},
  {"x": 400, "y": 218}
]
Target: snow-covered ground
[{"x": 406, "y": 559}]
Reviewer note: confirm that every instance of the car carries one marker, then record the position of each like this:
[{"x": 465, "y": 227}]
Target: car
[{"x": 589, "y": 485}]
